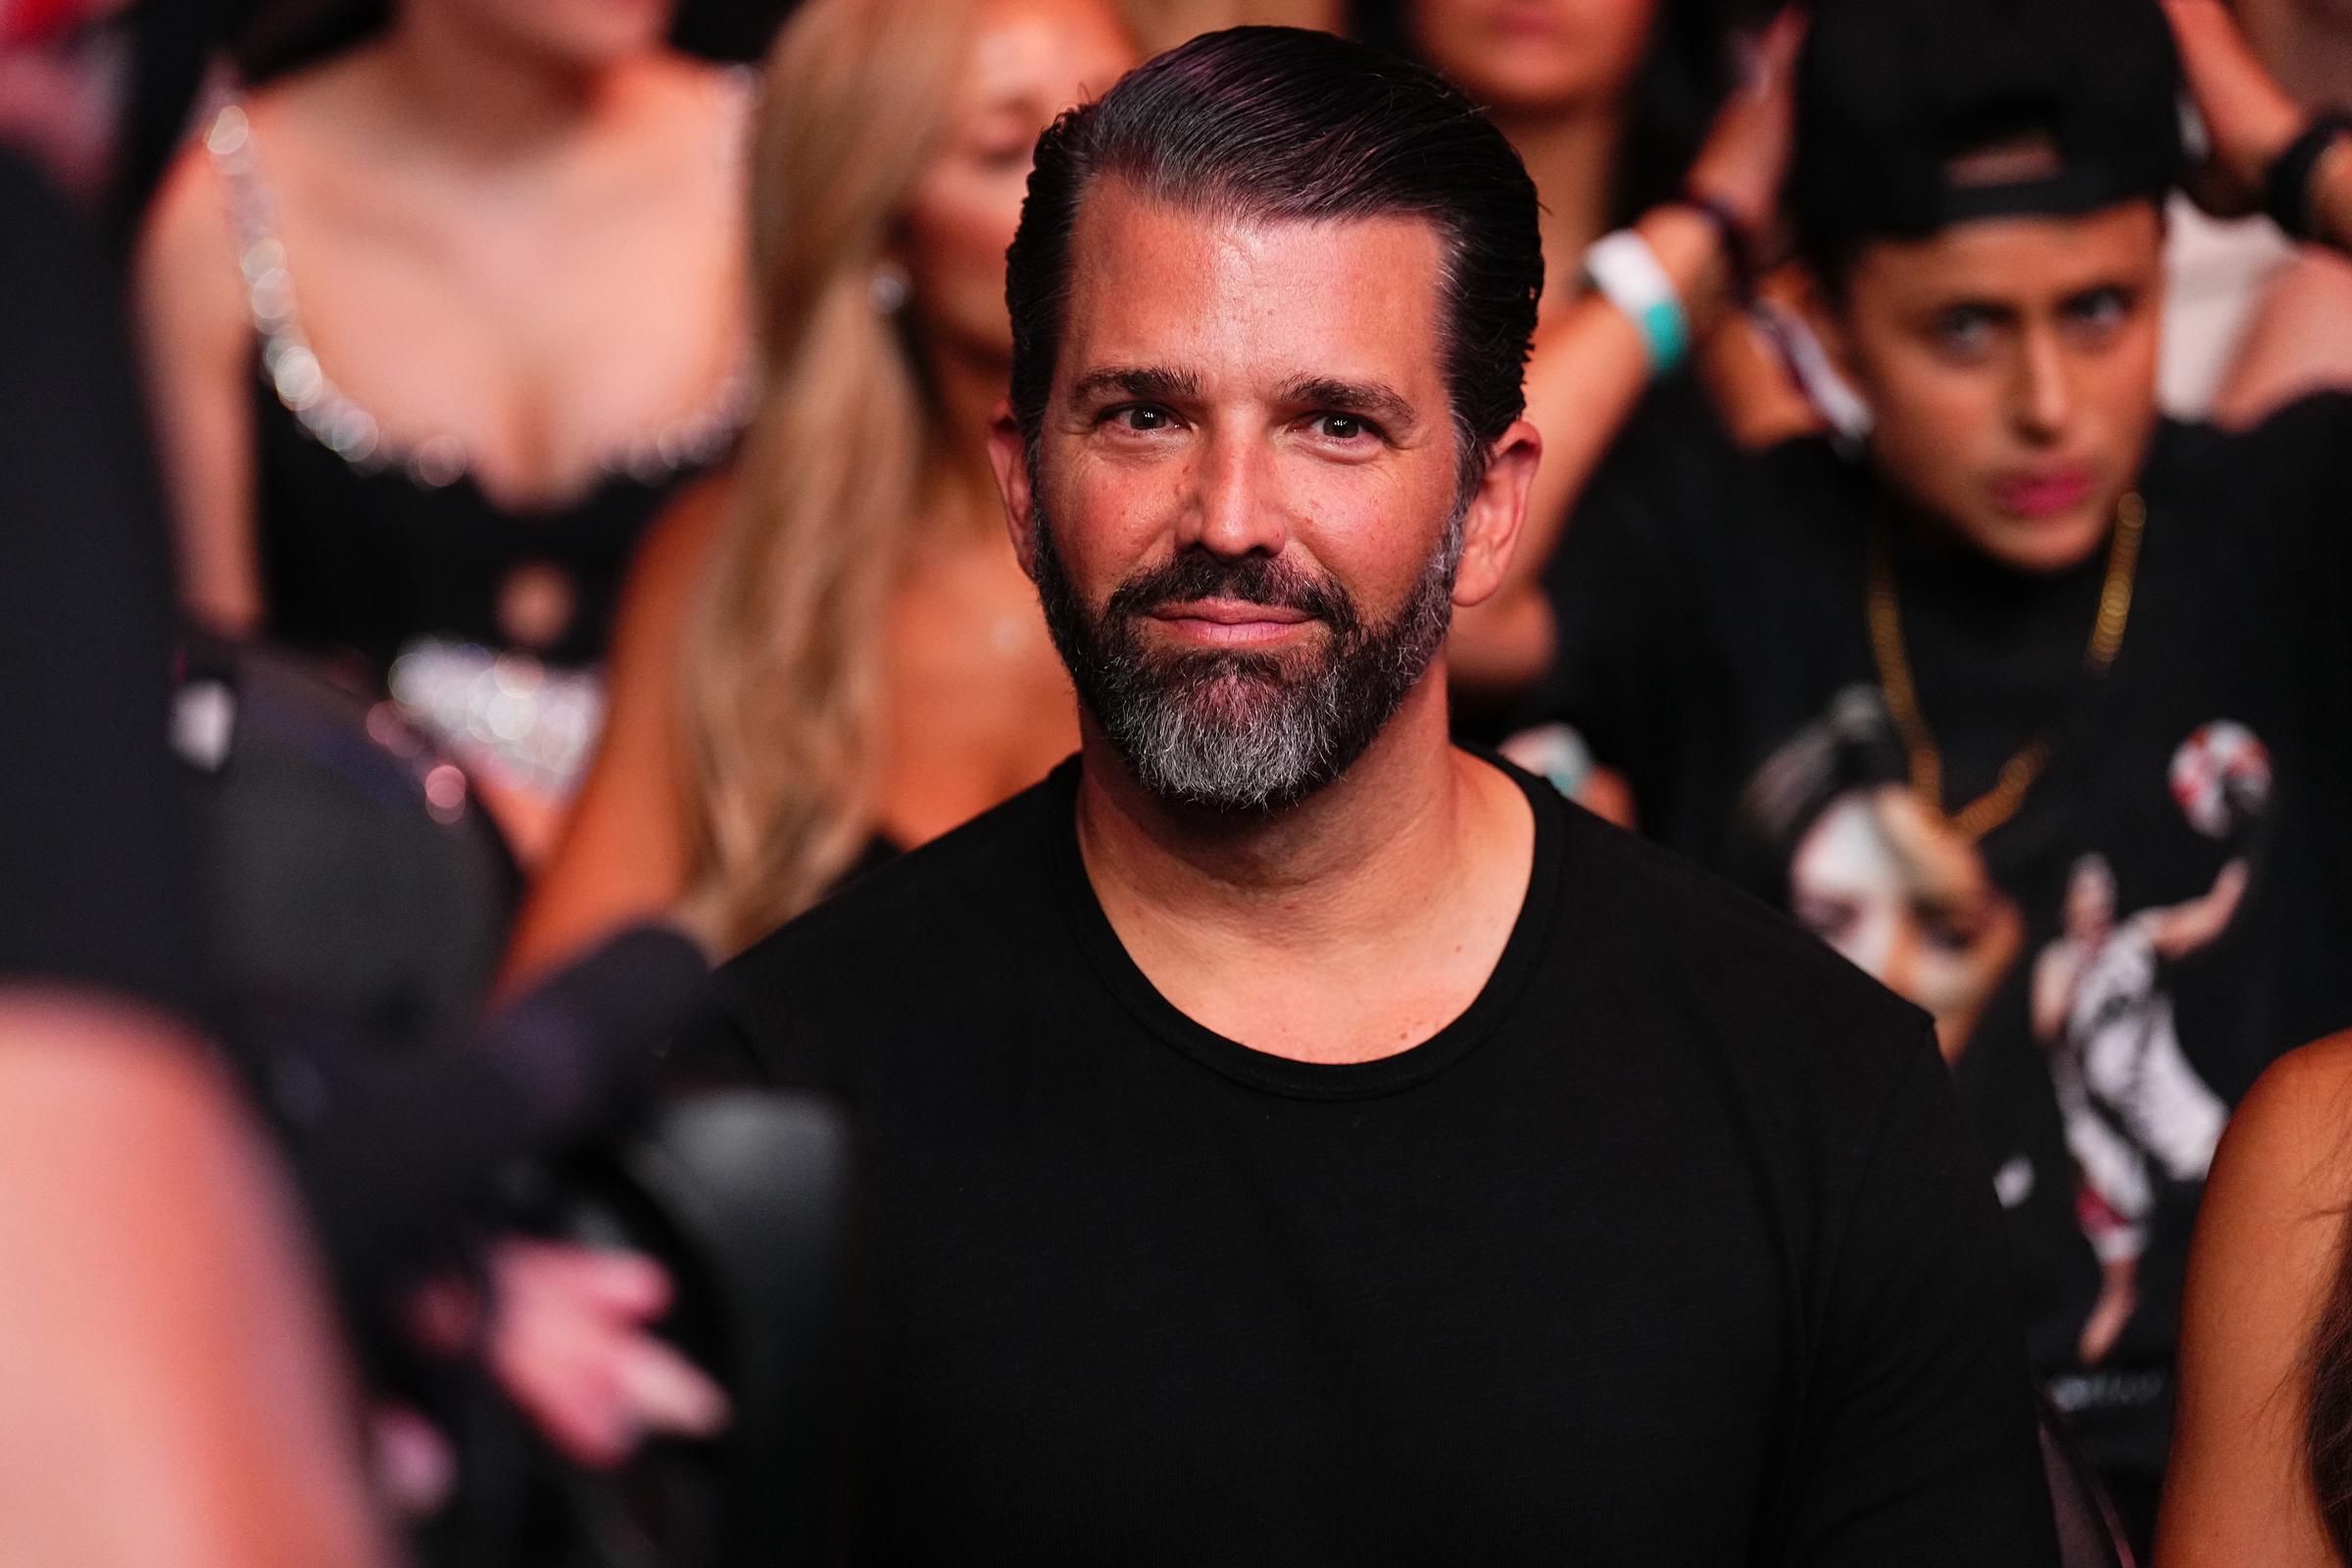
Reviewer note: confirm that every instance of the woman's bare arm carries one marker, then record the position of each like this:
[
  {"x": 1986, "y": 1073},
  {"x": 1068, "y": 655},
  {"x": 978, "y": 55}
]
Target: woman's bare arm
[
  {"x": 2267, "y": 1241},
  {"x": 1589, "y": 366},
  {"x": 624, "y": 854},
  {"x": 195, "y": 335}
]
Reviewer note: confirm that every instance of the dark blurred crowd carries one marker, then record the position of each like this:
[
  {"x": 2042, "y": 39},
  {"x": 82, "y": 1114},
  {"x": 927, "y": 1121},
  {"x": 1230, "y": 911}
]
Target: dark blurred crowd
[{"x": 482, "y": 478}]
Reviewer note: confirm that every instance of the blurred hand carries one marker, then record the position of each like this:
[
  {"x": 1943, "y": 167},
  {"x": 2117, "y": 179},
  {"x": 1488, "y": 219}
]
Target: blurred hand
[
  {"x": 2248, "y": 117},
  {"x": 1745, "y": 159},
  {"x": 570, "y": 1343}
]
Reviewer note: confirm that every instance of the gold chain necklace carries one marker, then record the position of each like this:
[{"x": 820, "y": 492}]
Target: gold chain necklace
[{"x": 2000, "y": 802}]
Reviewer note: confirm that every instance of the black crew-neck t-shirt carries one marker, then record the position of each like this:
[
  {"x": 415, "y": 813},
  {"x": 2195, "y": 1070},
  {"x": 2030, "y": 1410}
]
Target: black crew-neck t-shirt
[
  {"x": 1669, "y": 1250},
  {"x": 1716, "y": 650}
]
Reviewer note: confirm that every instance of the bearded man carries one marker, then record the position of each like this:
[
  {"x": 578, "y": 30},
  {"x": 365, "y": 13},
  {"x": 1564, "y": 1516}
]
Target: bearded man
[{"x": 1294, "y": 1138}]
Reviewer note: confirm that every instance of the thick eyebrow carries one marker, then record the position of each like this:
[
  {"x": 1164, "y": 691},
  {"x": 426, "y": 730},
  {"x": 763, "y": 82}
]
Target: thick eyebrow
[
  {"x": 1384, "y": 406},
  {"x": 1147, "y": 382}
]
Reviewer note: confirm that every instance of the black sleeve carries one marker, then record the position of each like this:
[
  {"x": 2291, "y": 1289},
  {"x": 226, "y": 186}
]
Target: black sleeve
[
  {"x": 95, "y": 853},
  {"x": 2286, "y": 487},
  {"x": 1920, "y": 1444},
  {"x": 2301, "y": 456},
  {"x": 2288, "y": 483}
]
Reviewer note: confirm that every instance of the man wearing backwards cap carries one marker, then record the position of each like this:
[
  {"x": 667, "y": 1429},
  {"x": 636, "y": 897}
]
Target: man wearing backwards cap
[{"x": 2027, "y": 702}]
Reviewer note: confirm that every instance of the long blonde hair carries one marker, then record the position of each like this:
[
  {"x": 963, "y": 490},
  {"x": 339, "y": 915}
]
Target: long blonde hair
[{"x": 783, "y": 665}]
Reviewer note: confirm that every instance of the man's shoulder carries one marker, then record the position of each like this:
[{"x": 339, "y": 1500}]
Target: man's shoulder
[
  {"x": 918, "y": 920},
  {"x": 1738, "y": 977},
  {"x": 1649, "y": 891}
]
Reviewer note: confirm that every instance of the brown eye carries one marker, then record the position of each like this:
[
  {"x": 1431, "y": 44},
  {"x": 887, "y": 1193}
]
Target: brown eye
[{"x": 1344, "y": 428}]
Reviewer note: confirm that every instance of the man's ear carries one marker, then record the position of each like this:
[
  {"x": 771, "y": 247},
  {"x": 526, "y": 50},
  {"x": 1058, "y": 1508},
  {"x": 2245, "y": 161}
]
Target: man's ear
[
  {"x": 1009, "y": 454},
  {"x": 1496, "y": 513}
]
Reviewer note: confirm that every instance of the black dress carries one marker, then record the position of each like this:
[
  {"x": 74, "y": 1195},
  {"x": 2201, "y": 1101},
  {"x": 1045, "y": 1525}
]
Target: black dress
[{"x": 485, "y": 623}]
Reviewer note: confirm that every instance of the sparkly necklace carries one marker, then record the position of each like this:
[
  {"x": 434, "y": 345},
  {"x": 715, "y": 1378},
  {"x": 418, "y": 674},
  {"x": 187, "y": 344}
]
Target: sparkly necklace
[{"x": 1997, "y": 805}]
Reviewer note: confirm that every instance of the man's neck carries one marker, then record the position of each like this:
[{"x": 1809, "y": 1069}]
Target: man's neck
[{"x": 1309, "y": 910}]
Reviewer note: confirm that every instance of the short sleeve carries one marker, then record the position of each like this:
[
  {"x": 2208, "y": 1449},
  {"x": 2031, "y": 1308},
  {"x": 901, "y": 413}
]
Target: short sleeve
[{"x": 1919, "y": 1445}]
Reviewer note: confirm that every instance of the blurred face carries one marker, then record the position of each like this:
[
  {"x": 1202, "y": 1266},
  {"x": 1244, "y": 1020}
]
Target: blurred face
[
  {"x": 1533, "y": 56},
  {"x": 1029, "y": 61},
  {"x": 1244, "y": 509},
  {"x": 2010, "y": 368},
  {"x": 584, "y": 33},
  {"x": 1904, "y": 900}
]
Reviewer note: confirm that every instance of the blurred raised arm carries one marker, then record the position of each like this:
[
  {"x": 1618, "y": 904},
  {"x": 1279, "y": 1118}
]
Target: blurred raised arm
[{"x": 1591, "y": 366}]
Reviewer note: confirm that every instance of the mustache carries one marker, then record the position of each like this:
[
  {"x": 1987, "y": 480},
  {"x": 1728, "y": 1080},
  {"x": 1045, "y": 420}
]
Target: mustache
[{"x": 1252, "y": 580}]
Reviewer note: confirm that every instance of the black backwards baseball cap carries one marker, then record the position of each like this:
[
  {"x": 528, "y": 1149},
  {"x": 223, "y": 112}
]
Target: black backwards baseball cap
[{"x": 1893, "y": 97}]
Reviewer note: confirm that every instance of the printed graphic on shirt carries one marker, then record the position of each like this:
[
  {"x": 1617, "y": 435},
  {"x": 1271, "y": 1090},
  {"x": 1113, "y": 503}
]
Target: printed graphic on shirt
[
  {"x": 1865, "y": 865},
  {"x": 2133, "y": 1106},
  {"x": 1885, "y": 880}
]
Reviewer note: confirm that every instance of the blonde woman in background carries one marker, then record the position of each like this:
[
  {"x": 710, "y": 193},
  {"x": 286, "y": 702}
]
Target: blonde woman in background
[{"x": 829, "y": 652}]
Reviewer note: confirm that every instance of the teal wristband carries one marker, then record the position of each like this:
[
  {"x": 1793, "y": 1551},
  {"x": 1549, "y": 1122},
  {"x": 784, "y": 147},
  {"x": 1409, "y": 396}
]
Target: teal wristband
[
  {"x": 1627, "y": 274},
  {"x": 1667, "y": 333}
]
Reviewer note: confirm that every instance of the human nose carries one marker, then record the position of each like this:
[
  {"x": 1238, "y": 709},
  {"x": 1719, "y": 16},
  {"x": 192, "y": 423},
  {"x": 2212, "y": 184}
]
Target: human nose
[
  {"x": 1235, "y": 508},
  {"x": 2044, "y": 394}
]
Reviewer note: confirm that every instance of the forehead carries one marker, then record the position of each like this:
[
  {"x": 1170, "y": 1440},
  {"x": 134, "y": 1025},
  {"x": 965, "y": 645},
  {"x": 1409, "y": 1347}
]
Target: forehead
[
  {"x": 2019, "y": 258},
  {"x": 1246, "y": 300}
]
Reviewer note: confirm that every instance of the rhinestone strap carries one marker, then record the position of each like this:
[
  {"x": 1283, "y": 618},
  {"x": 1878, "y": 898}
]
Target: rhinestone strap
[{"x": 350, "y": 432}]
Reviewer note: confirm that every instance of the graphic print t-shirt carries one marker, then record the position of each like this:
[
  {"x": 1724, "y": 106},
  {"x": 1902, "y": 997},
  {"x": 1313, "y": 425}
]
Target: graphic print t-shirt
[{"x": 2111, "y": 967}]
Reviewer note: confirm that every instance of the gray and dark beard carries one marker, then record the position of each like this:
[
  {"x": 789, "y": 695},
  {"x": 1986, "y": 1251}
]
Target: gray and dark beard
[{"x": 1244, "y": 732}]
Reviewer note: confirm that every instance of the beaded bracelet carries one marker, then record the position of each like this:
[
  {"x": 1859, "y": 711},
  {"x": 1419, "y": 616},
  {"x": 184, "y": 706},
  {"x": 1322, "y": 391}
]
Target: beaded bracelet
[{"x": 1739, "y": 252}]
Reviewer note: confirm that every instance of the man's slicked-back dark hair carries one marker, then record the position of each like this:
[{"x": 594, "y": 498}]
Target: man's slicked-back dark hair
[{"x": 1279, "y": 124}]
